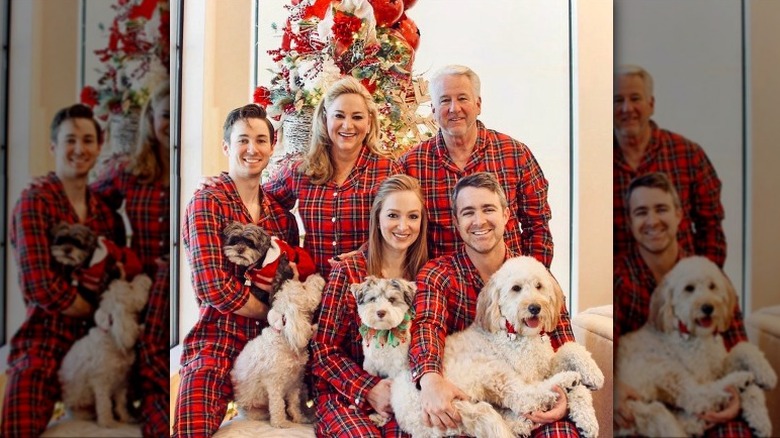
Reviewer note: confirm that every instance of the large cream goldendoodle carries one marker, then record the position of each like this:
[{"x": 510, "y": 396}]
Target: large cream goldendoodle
[
  {"x": 269, "y": 370},
  {"x": 677, "y": 361},
  {"x": 505, "y": 360},
  {"x": 94, "y": 372}
]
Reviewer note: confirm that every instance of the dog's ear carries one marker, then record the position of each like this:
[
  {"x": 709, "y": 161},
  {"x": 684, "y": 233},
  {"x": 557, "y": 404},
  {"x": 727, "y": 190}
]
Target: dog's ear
[
  {"x": 357, "y": 291},
  {"x": 488, "y": 313},
  {"x": 557, "y": 302},
  {"x": 233, "y": 228},
  {"x": 58, "y": 228},
  {"x": 730, "y": 302},
  {"x": 661, "y": 314},
  {"x": 407, "y": 287}
]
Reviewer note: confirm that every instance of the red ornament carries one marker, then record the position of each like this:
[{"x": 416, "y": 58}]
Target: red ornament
[
  {"x": 262, "y": 97},
  {"x": 387, "y": 12},
  {"x": 318, "y": 9},
  {"x": 89, "y": 96},
  {"x": 408, "y": 29},
  {"x": 409, "y": 3}
]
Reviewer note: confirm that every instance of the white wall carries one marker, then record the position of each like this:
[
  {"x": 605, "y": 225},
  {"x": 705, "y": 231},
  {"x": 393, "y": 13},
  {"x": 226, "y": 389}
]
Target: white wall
[{"x": 693, "y": 49}]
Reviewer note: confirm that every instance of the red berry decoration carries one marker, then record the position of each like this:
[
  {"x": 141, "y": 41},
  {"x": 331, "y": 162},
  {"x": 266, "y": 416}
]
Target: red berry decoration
[
  {"x": 317, "y": 9},
  {"x": 408, "y": 29},
  {"x": 387, "y": 12},
  {"x": 409, "y": 3}
]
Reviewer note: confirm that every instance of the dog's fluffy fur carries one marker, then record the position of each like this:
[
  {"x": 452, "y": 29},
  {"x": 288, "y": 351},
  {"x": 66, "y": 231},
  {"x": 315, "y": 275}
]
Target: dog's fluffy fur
[
  {"x": 247, "y": 245},
  {"x": 513, "y": 372},
  {"x": 72, "y": 244},
  {"x": 383, "y": 304},
  {"x": 269, "y": 370},
  {"x": 677, "y": 361},
  {"x": 94, "y": 372}
]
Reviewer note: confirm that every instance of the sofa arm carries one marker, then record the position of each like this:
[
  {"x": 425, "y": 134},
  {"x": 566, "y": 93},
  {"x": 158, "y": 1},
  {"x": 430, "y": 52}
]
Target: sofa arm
[
  {"x": 763, "y": 329},
  {"x": 593, "y": 329}
]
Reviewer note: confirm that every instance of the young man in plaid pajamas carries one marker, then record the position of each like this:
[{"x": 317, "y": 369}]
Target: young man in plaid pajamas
[
  {"x": 464, "y": 146},
  {"x": 57, "y": 313},
  {"x": 446, "y": 302},
  {"x": 229, "y": 314},
  {"x": 641, "y": 147},
  {"x": 655, "y": 213}
]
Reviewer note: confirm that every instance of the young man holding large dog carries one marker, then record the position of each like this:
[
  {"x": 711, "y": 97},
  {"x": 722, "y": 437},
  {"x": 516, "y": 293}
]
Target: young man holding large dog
[
  {"x": 58, "y": 312},
  {"x": 654, "y": 214},
  {"x": 445, "y": 303},
  {"x": 229, "y": 314}
]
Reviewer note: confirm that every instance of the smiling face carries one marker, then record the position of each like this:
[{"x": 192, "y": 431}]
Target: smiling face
[
  {"x": 654, "y": 219},
  {"x": 76, "y": 148},
  {"x": 348, "y": 122},
  {"x": 632, "y": 106},
  {"x": 249, "y": 149},
  {"x": 480, "y": 219},
  {"x": 456, "y": 107},
  {"x": 399, "y": 221}
]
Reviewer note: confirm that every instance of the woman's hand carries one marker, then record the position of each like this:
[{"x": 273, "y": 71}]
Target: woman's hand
[{"x": 379, "y": 398}]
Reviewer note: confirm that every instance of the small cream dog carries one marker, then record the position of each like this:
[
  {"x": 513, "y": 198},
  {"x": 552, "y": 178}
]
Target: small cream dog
[
  {"x": 385, "y": 310},
  {"x": 504, "y": 359},
  {"x": 269, "y": 370},
  {"x": 94, "y": 372},
  {"x": 677, "y": 361}
]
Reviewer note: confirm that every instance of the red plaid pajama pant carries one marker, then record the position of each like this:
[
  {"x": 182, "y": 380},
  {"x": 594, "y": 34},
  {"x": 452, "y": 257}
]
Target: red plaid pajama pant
[
  {"x": 336, "y": 419},
  {"x": 32, "y": 386}
]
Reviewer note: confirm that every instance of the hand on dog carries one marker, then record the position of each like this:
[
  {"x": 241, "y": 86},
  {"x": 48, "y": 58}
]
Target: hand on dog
[
  {"x": 557, "y": 412},
  {"x": 730, "y": 412},
  {"x": 436, "y": 399},
  {"x": 624, "y": 418},
  {"x": 79, "y": 309},
  {"x": 379, "y": 398}
]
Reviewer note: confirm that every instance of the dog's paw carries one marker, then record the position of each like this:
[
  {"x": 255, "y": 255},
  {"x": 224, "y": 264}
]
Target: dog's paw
[
  {"x": 378, "y": 419},
  {"x": 565, "y": 380},
  {"x": 108, "y": 423},
  {"x": 286, "y": 424},
  {"x": 748, "y": 357},
  {"x": 737, "y": 379}
]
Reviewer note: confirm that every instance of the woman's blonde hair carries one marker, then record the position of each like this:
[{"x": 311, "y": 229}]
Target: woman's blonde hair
[
  {"x": 417, "y": 253},
  {"x": 145, "y": 162},
  {"x": 317, "y": 163}
]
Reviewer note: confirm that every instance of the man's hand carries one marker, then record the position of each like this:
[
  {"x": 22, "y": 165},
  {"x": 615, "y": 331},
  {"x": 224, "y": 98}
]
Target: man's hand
[
  {"x": 436, "y": 399},
  {"x": 730, "y": 412},
  {"x": 557, "y": 412},
  {"x": 207, "y": 181},
  {"x": 624, "y": 418},
  {"x": 79, "y": 309},
  {"x": 254, "y": 309},
  {"x": 379, "y": 398}
]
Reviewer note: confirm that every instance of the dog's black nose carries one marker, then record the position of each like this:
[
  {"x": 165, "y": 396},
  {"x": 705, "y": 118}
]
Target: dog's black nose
[
  {"x": 381, "y": 313},
  {"x": 534, "y": 309},
  {"x": 707, "y": 309}
]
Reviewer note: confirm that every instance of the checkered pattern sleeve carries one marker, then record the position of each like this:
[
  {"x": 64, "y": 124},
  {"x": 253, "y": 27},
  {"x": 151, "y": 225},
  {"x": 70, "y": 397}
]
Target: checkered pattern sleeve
[
  {"x": 337, "y": 353},
  {"x": 204, "y": 221},
  {"x": 429, "y": 326},
  {"x": 700, "y": 231},
  {"x": 736, "y": 332},
  {"x": 563, "y": 332}
]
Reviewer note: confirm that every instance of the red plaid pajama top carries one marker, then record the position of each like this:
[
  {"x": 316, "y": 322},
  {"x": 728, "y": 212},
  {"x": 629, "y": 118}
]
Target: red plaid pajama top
[
  {"x": 528, "y": 230},
  {"x": 218, "y": 291},
  {"x": 148, "y": 209},
  {"x": 446, "y": 302},
  {"x": 700, "y": 231},
  {"x": 337, "y": 353},
  {"x": 334, "y": 217},
  {"x": 633, "y": 285}
]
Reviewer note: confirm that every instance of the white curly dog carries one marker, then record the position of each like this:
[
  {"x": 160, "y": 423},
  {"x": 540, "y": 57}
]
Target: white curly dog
[
  {"x": 504, "y": 360},
  {"x": 677, "y": 361},
  {"x": 269, "y": 370},
  {"x": 94, "y": 372}
]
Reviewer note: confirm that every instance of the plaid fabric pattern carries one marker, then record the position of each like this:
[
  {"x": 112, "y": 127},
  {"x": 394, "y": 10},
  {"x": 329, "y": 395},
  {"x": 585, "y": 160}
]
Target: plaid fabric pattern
[
  {"x": 211, "y": 347},
  {"x": 697, "y": 183},
  {"x": 633, "y": 285},
  {"x": 446, "y": 302},
  {"x": 337, "y": 353},
  {"x": 528, "y": 230},
  {"x": 335, "y": 419},
  {"x": 46, "y": 335},
  {"x": 730, "y": 429},
  {"x": 148, "y": 208},
  {"x": 335, "y": 217}
]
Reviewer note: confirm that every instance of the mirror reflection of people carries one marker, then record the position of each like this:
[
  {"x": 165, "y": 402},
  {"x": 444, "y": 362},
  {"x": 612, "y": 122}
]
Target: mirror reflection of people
[
  {"x": 640, "y": 147},
  {"x": 58, "y": 312},
  {"x": 140, "y": 183},
  {"x": 230, "y": 315},
  {"x": 446, "y": 302},
  {"x": 654, "y": 212},
  {"x": 396, "y": 249},
  {"x": 463, "y": 146}
]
